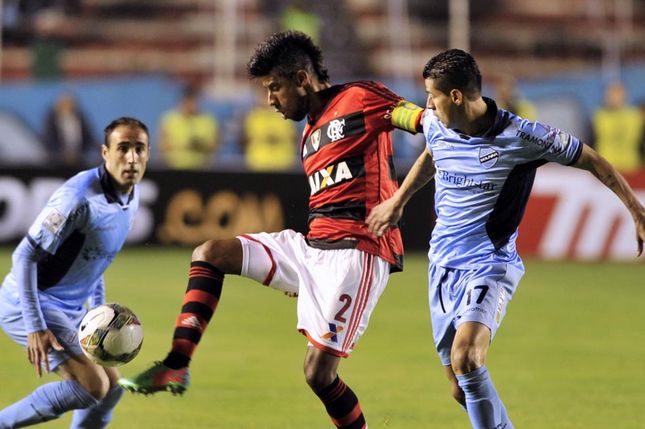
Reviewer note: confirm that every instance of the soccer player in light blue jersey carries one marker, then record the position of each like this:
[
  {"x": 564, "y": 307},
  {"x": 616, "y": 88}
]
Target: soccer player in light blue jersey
[
  {"x": 58, "y": 268},
  {"x": 483, "y": 160}
]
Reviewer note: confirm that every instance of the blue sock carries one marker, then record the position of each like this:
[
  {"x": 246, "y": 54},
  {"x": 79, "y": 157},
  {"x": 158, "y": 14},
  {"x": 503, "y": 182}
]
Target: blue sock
[
  {"x": 484, "y": 407},
  {"x": 99, "y": 415},
  {"x": 45, "y": 403}
]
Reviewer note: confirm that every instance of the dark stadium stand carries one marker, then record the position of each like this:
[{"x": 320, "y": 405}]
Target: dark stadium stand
[
  {"x": 124, "y": 37},
  {"x": 531, "y": 38},
  {"x": 105, "y": 37}
]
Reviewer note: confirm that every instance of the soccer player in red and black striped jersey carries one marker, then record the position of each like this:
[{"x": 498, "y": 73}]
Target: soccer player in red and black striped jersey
[{"x": 340, "y": 269}]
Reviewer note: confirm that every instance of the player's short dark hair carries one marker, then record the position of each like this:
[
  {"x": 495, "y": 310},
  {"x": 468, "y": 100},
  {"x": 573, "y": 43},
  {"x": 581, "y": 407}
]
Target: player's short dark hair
[
  {"x": 454, "y": 69},
  {"x": 286, "y": 53},
  {"x": 126, "y": 121}
]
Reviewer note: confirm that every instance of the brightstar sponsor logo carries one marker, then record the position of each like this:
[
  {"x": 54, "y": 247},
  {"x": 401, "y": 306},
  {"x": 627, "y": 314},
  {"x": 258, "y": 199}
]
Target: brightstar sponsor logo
[{"x": 463, "y": 181}]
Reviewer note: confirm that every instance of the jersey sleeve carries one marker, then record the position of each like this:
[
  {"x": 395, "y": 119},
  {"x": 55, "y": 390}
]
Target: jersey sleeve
[
  {"x": 25, "y": 259},
  {"x": 55, "y": 222},
  {"x": 64, "y": 212},
  {"x": 393, "y": 111},
  {"x": 98, "y": 297},
  {"x": 549, "y": 143},
  {"x": 431, "y": 128}
]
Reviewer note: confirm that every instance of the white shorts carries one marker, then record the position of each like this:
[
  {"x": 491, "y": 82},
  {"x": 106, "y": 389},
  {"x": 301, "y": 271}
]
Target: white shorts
[{"x": 337, "y": 289}]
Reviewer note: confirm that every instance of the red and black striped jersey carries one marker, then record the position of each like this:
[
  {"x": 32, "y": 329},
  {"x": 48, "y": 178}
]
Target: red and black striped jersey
[{"x": 348, "y": 158}]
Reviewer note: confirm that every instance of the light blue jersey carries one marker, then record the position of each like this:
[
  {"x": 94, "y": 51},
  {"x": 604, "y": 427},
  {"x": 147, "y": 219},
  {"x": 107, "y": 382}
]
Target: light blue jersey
[
  {"x": 483, "y": 184},
  {"x": 59, "y": 265}
]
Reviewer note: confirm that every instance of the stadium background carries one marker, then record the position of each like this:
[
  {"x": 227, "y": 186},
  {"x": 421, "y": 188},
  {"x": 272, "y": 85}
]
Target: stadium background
[{"x": 571, "y": 348}]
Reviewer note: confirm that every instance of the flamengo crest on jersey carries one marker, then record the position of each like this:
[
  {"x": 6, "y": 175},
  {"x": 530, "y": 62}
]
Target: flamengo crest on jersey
[
  {"x": 334, "y": 130},
  {"x": 482, "y": 184}
]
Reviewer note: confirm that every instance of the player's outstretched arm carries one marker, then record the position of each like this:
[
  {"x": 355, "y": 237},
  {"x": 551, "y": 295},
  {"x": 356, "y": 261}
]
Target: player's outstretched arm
[
  {"x": 593, "y": 162},
  {"x": 390, "y": 211}
]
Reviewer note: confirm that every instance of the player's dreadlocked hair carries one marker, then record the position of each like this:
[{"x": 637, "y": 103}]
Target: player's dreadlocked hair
[
  {"x": 454, "y": 69},
  {"x": 287, "y": 52}
]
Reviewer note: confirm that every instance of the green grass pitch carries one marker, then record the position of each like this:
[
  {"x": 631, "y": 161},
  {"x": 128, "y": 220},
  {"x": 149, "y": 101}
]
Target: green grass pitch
[{"x": 570, "y": 353}]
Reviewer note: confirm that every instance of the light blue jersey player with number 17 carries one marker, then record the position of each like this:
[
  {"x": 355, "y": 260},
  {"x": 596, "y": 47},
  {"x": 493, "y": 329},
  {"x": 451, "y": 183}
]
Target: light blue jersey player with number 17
[
  {"x": 58, "y": 267},
  {"x": 483, "y": 160}
]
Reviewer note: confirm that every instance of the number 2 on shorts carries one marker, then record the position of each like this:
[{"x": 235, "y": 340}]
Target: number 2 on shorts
[{"x": 347, "y": 301}]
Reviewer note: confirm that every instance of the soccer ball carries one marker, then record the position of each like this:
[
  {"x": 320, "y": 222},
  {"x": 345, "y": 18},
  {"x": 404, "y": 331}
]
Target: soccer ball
[{"x": 110, "y": 335}]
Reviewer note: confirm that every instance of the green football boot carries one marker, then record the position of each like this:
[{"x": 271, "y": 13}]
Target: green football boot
[{"x": 158, "y": 378}]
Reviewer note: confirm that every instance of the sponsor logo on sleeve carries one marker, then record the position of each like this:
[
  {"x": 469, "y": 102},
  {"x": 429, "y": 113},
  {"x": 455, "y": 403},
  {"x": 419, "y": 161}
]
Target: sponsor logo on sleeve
[
  {"x": 565, "y": 139},
  {"x": 54, "y": 221},
  {"x": 548, "y": 142}
]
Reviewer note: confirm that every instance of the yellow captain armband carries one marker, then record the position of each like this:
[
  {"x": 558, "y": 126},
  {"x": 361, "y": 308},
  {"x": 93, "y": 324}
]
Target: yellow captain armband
[{"x": 407, "y": 116}]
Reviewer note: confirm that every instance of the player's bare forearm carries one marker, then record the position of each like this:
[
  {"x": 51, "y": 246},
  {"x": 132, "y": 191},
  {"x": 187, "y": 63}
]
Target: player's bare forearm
[
  {"x": 389, "y": 212},
  {"x": 420, "y": 174},
  {"x": 591, "y": 161}
]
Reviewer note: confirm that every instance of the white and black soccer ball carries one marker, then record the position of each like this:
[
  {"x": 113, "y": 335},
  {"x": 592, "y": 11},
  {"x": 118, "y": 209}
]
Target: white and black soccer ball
[{"x": 110, "y": 334}]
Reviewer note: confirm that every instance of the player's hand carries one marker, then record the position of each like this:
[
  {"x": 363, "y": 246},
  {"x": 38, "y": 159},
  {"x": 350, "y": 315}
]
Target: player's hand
[
  {"x": 38, "y": 345},
  {"x": 383, "y": 216}
]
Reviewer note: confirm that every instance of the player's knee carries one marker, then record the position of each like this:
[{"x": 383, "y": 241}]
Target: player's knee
[
  {"x": 96, "y": 385},
  {"x": 226, "y": 255},
  {"x": 208, "y": 251},
  {"x": 466, "y": 358},
  {"x": 318, "y": 378}
]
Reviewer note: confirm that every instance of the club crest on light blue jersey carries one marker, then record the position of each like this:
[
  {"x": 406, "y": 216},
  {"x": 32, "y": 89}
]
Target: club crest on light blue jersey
[{"x": 488, "y": 156}]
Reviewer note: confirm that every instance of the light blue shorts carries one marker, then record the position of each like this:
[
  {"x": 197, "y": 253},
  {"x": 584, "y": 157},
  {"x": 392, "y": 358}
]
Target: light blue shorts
[
  {"x": 62, "y": 325},
  {"x": 478, "y": 295}
]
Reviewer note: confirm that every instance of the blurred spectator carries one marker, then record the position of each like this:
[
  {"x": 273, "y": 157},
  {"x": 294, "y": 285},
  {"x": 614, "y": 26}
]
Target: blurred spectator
[
  {"x": 53, "y": 26},
  {"x": 295, "y": 16},
  {"x": 68, "y": 7},
  {"x": 67, "y": 134},
  {"x": 507, "y": 97},
  {"x": 188, "y": 137},
  {"x": 641, "y": 107},
  {"x": 269, "y": 140},
  {"x": 618, "y": 129},
  {"x": 47, "y": 44}
]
